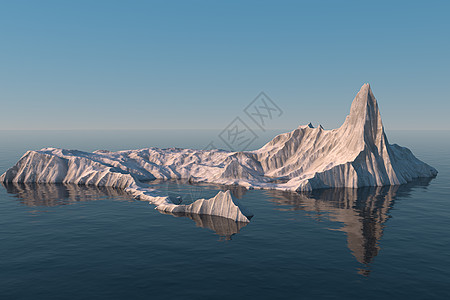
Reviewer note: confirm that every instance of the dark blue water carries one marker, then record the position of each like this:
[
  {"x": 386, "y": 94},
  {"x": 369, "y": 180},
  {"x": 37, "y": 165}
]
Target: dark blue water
[{"x": 72, "y": 242}]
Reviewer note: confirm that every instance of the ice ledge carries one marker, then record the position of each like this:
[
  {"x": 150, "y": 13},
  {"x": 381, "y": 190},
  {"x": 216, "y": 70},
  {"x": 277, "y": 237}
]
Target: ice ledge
[{"x": 222, "y": 205}]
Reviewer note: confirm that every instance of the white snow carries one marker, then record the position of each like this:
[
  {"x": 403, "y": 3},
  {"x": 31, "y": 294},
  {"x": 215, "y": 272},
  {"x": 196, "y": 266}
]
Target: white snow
[{"x": 355, "y": 155}]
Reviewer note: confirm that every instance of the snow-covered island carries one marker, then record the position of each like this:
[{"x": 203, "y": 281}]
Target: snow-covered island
[{"x": 355, "y": 155}]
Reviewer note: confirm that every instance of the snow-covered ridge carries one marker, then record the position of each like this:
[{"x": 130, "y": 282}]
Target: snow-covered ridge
[
  {"x": 355, "y": 155},
  {"x": 51, "y": 165}
]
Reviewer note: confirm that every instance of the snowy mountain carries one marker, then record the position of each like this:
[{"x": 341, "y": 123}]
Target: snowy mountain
[{"x": 355, "y": 155}]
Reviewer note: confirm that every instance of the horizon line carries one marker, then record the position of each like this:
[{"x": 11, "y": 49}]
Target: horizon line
[{"x": 192, "y": 129}]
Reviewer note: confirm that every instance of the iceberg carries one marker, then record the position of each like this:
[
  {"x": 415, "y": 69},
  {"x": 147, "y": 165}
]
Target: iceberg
[{"x": 357, "y": 154}]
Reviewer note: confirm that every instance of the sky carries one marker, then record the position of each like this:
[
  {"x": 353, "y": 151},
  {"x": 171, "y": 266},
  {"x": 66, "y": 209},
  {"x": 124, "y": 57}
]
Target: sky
[{"x": 198, "y": 64}]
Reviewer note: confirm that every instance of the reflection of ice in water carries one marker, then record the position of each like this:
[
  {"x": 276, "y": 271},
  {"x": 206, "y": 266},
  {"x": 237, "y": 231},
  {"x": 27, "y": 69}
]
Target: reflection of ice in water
[
  {"x": 362, "y": 212},
  {"x": 65, "y": 194},
  {"x": 37, "y": 194},
  {"x": 223, "y": 227}
]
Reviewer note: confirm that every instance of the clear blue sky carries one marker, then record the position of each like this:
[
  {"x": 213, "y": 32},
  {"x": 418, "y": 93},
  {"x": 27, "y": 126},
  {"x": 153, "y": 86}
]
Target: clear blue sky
[{"x": 197, "y": 64}]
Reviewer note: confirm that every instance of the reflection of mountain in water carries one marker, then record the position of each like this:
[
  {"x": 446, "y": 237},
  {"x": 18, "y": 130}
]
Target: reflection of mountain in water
[
  {"x": 363, "y": 212},
  {"x": 37, "y": 194},
  {"x": 224, "y": 227}
]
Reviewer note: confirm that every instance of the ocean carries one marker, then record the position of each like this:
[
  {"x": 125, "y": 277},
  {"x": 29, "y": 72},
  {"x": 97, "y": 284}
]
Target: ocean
[{"x": 76, "y": 242}]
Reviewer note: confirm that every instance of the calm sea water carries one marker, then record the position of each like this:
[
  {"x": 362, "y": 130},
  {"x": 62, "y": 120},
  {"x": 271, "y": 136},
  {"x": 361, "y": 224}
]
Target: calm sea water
[{"x": 73, "y": 242}]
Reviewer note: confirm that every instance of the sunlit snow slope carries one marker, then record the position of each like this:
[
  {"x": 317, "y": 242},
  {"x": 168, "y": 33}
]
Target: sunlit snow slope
[{"x": 355, "y": 155}]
